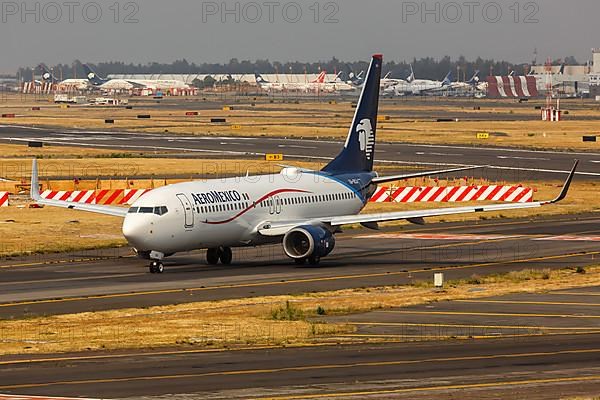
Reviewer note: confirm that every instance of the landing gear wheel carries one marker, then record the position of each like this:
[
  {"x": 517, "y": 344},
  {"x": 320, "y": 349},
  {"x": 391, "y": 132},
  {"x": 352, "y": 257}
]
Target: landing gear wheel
[
  {"x": 299, "y": 261},
  {"x": 212, "y": 256},
  {"x": 225, "y": 255},
  {"x": 156, "y": 267},
  {"x": 314, "y": 260}
]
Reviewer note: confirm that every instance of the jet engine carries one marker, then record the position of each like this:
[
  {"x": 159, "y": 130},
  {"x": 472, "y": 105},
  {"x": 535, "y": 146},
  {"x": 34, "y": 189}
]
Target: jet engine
[{"x": 308, "y": 242}]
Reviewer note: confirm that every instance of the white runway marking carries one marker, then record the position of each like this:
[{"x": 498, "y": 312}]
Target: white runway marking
[
  {"x": 17, "y": 397},
  {"x": 572, "y": 238},
  {"x": 435, "y": 236},
  {"x": 420, "y": 153},
  {"x": 522, "y": 158},
  {"x": 296, "y": 146}
]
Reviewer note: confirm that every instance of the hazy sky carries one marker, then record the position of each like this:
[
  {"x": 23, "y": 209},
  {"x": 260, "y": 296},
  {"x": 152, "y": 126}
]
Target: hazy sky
[{"x": 194, "y": 29}]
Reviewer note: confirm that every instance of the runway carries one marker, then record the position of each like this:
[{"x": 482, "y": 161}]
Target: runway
[
  {"x": 504, "y": 163},
  {"x": 30, "y": 286}
]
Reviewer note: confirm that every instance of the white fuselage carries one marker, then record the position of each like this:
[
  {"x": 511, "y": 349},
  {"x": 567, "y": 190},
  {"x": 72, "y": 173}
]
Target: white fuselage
[
  {"x": 162, "y": 84},
  {"x": 229, "y": 212}
]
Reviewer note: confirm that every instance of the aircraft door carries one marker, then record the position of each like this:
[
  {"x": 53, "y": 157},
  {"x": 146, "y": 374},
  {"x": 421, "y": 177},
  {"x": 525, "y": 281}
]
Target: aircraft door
[{"x": 187, "y": 210}]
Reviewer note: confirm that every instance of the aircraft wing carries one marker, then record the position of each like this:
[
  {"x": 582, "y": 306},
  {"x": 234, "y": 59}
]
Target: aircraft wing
[
  {"x": 95, "y": 208},
  {"x": 137, "y": 85},
  {"x": 416, "y": 216},
  {"x": 392, "y": 178}
]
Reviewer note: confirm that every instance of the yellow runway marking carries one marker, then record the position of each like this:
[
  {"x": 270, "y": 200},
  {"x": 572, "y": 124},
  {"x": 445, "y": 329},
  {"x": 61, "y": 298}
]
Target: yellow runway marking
[
  {"x": 158, "y": 353},
  {"x": 298, "y": 368},
  {"x": 82, "y": 278},
  {"x": 575, "y": 293},
  {"x": 474, "y": 224},
  {"x": 72, "y": 261},
  {"x": 489, "y": 314},
  {"x": 296, "y": 281},
  {"x": 592, "y": 328},
  {"x": 551, "y": 303},
  {"x": 435, "y": 388}
]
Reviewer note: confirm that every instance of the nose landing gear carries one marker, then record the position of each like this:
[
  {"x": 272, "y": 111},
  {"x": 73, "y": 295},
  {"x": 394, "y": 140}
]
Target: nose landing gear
[{"x": 156, "y": 265}]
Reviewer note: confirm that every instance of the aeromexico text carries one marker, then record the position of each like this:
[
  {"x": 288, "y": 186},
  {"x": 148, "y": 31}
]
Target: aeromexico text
[{"x": 216, "y": 197}]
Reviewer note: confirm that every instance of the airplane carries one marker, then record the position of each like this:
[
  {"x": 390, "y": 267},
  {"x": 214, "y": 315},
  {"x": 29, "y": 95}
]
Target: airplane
[
  {"x": 471, "y": 83},
  {"x": 458, "y": 87},
  {"x": 298, "y": 208},
  {"x": 332, "y": 86},
  {"x": 418, "y": 86},
  {"x": 267, "y": 85},
  {"x": 386, "y": 81},
  {"x": 128, "y": 84},
  {"x": 316, "y": 84},
  {"x": 70, "y": 83}
]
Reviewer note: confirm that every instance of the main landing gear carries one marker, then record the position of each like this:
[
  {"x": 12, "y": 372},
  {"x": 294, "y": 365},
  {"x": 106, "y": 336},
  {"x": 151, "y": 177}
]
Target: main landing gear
[
  {"x": 312, "y": 260},
  {"x": 224, "y": 254}
]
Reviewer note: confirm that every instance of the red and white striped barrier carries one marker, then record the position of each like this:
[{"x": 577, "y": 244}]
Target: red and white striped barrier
[
  {"x": 38, "y": 88},
  {"x": 3, "y": 199},
  {"x": 512, "y": 86},
  {"x": 106, "y": 197},
  {"x": 131, "y": 195},
  {"x": 77, "y": 196},
  {"x": 451, "y": 194}
]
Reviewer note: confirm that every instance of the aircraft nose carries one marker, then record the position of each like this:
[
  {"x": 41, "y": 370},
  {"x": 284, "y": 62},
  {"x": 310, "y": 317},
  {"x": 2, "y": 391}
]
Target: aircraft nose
[{"x": 135, "y": 230}]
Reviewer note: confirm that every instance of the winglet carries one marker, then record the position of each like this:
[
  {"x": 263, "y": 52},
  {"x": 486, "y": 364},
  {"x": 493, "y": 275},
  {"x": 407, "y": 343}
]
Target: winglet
[
  {"x": 35, "y": 185},
  {"x": 566, "y": 185}
]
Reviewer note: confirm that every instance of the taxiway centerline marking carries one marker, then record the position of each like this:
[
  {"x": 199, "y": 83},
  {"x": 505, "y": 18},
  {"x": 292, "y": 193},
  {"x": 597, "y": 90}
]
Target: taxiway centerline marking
[
  {"x": 434, "y": 388},
  {"x": 489, "y": 314},
  {"x": 300, "y": 368},
  {"x": 551, "y": 303}
]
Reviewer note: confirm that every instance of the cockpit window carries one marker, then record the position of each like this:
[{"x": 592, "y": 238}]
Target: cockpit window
[{"x": 162, "y": 210}]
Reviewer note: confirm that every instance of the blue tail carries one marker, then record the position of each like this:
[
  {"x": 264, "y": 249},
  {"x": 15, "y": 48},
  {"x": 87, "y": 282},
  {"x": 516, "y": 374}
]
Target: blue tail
[
  {"x": 47, "y": 75},
  {"x": 411, "y": 76},
  {"x": 475, "y": 79},
  {"x": 359, "y": 149},
  {"x": 447, "y": 79},
  {"x": 92, "y": 76},
  {"x": 259, "y": 78}
]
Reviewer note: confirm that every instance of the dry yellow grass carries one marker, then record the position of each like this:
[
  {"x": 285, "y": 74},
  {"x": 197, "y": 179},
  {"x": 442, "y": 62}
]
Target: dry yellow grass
[
  {"x": 250, "y": 321},
  {"x": 27, "y": 231}
]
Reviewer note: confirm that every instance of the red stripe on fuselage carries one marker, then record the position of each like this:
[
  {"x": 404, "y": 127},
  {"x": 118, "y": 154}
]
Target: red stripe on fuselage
[{"x": 265, "y": 197}]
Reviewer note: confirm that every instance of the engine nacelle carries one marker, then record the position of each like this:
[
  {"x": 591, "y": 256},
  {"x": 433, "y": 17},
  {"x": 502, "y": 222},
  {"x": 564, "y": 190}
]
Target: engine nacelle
[{"x": 307, "y": 240}]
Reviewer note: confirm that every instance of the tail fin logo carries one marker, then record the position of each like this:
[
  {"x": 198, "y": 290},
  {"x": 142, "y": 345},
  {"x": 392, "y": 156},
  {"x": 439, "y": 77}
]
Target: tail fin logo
[
  {"x": 91, "y": 75},
  {"x": 366, "y": 139}
]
